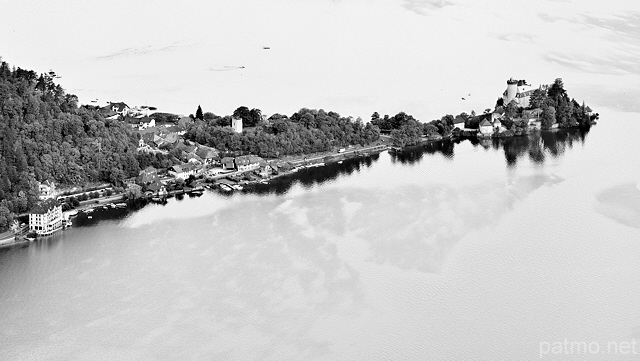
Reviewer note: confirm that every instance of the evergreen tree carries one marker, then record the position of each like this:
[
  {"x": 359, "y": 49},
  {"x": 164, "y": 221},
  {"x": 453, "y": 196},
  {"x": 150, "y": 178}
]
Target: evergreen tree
[{"x": 199, "y": 114}]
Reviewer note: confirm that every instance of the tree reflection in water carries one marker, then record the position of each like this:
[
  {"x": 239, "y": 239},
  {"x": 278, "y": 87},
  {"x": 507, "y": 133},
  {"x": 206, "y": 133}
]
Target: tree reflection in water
[{"x": 537, "y": 146}]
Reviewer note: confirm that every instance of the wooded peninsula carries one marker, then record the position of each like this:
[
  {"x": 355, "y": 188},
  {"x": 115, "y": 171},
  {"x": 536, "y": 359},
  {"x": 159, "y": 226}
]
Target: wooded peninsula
[{"x": 46, "y": 136}]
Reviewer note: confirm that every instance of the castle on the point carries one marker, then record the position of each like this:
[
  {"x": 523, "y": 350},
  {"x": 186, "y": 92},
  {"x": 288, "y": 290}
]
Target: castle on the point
[{"x": 520, "y": 91}]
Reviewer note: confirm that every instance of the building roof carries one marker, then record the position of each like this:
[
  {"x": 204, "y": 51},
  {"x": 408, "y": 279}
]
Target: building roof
[
  {"x": 118, "y": 107},
  {"x": 171, "y": 138},
  {"x": 248, "y": 159},
  {"x": 206, "y": 152},
  {"x": 188, "y": 148},
  {"x": 485, "y": 122},
  {"x": 458, "y": 120},
  {"x": 145, "y": 119},
  {"x": 179, "y": 168},
  {"x": 44, "y": 207}
]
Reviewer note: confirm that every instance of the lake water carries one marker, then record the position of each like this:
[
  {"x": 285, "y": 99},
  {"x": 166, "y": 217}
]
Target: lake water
[{"x": 451, "y": 251}]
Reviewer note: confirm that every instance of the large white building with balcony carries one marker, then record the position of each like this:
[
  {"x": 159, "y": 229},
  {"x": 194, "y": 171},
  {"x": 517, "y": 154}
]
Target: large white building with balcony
[{"x": 46, "y": 217}]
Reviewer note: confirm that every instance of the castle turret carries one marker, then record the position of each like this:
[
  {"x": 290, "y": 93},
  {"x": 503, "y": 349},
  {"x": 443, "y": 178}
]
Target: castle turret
[{"x": 512, "y": 90}]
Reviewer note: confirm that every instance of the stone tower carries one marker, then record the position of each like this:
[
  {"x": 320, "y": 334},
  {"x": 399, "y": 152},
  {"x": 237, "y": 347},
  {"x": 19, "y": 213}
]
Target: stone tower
[
  {"x": 512, "y": 90},
  {"x": 236, "y": 124}
]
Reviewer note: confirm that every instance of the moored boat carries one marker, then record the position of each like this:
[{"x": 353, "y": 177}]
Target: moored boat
[{"x": 225, "y": 187}]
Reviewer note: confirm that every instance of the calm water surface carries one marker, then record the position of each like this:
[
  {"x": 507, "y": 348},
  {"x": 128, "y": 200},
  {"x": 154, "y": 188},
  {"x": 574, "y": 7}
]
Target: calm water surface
[{"x": 451, "y": 251}]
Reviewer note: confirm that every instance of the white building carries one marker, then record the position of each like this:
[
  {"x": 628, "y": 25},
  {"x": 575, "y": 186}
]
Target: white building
[
  {"x": 247, "y": 162},
  {"x": 146, "y": 122},
  {"x": 458, "y": 123},
  {"x": 486, "y": 128},
  {"x": 183, "y": 171},
  {"x": 236, "y": 124},
  {"x": 519, "y": 91},
  {"x": 46, "y": 217},
  {"x": 47, "y": 189}
]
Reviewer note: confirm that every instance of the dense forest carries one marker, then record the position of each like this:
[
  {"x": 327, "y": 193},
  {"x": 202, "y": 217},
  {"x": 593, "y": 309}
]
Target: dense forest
[
  {"x": 405, "y": 130},
  {"x": 306, "y": 131},
  {"x": 44, "y": 135},
  {"x": 558, "y": 108}
]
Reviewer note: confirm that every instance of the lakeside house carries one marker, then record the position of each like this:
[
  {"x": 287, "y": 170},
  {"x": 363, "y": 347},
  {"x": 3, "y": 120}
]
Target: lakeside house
[
  {"x": 497, "y": 114},
  {"x": 486, "y": 127},
  {"x": 248, "y": 162},
  {"x": 183, "y": 171},
  {"x": 156, "y": 188},
  {"x": 211, "y": 172},
  {"x": 46, "y": 217},
  {"x": 227, "y": 163},
  {"x": 458, "y": 122},
  {"x": 532, "y": 116},
  {"x": 265, "y": 170}
]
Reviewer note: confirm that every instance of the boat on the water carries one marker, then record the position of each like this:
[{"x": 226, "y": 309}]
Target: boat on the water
[
  {"x": 225, "y": 187},
  {"x": 71, "y": 213}
]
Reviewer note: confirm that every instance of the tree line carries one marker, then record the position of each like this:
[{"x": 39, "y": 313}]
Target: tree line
[{"x": 306, "y": 131}]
